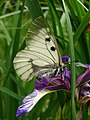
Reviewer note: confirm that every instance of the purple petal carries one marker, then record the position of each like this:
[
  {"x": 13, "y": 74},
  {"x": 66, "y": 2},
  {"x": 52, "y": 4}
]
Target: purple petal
[
  {"x": 39, "y": 85},
  {"x": 67, "y": 75},
  {"x": 82, "y": 94},
  {"x": 21, "y": 110},
  {"x": 83, "y": 78},
  {"x": 62, "y": 81},
  {"x": 85, "y": 97},
  {"x": 65, "y": 59},
  {"x": 85, "y": 87},
  {"x": 30, "y": 101},
  {"x": 59, "y": 84},
  {"x": 58, "y": 87},
  {"x": 85, "y": 93}
]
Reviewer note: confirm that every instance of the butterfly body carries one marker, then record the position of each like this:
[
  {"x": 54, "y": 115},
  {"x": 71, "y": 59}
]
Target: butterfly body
[
  {"x": 41, "y": 57},
  {"x": 51, "y": 72}
]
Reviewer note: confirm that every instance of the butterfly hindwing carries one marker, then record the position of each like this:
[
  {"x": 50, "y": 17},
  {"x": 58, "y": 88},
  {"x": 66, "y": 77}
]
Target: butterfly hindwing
[{"x": 40, "y": 54}]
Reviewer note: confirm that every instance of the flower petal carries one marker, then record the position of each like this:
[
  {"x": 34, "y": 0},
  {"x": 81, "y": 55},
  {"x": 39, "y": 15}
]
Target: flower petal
[
  {"x": 58, "y": 87},
  {"x": 39, "y": 85},
  {"x": 85, "y": 99},
  {"x": 84, "y": 93},
  {"x": 65, "y": 59},
  {"x": 30, "y": 101},
  {"x": 85, "y": 87},
  {"x": 83, "y": 78},
  {"x": 62, "y": 81}
]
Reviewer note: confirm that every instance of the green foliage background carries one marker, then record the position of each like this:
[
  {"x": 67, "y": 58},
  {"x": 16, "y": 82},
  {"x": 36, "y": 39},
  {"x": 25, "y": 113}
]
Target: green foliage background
[{"x": 70, "y": 23}]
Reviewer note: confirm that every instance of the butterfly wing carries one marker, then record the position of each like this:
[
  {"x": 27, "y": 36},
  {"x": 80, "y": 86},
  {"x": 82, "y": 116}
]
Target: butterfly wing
[{"x": 41, "y": 51}]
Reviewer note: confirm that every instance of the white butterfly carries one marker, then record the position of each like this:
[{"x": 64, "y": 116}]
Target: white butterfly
[{"x": 41, "y": 55}]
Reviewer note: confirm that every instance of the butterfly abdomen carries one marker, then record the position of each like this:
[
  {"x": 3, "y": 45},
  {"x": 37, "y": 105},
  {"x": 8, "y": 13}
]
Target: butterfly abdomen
[{"x": 51, "y": 73}]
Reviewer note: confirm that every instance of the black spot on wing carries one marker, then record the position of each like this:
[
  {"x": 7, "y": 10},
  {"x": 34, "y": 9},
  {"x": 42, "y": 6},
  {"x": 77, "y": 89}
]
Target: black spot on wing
[
  {"x": 53, "y": 48},
  {"x": 47, "y": 39}
]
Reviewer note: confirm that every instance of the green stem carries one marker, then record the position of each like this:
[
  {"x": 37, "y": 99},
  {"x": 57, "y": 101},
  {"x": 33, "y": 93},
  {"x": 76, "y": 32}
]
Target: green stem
[
  {"x": 73, "y": 79},
  {"x": 73, "y": 87}
]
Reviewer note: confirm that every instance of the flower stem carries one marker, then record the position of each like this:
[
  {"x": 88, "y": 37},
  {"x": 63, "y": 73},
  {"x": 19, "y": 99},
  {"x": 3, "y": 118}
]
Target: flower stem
[{"x": 73, "y": 80}]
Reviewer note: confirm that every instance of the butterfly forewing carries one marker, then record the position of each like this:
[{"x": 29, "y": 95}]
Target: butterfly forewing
[{"x": 40, "y": 54}]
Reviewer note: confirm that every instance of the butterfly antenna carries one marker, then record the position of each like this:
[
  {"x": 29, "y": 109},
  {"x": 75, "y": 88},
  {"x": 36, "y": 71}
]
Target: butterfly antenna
[{"x": 78, "y": 64}]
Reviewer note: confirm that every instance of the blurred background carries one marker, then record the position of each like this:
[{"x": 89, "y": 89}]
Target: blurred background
[{"x": 15, "y": 18}]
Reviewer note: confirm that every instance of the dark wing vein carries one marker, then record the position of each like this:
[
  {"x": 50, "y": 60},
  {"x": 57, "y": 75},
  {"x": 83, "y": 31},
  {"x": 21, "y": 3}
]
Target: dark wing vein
[
  {"x": 36, "y": 35},
  {"x": 44, "y": 40},
  {"x": 39, "y": 47},
  {"x": 26, "y": 71},
  {"x": 36, "y": 56},
  {"x": 29, "y": 38},
  {"x": 43, "y": 32},
  {"x": 40, "y": 23},
  {"x": 38, "y": 53},
  {"x": 45, "y": 26},
  {"x": 50, "y": 52},
  {"x": 33, "y": 60},
  {"x": 43, "y": 55},
  {"x": 31, "y": 74}
]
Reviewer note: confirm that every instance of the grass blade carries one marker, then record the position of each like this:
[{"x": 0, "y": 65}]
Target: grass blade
[
  {"x": 10, "y": 93},
  {"x": 17, "y": 34},
  {"x": 73, "y": 80},
  {"x": 34, "y": 8},
  {"x": 82, "y": 26}
]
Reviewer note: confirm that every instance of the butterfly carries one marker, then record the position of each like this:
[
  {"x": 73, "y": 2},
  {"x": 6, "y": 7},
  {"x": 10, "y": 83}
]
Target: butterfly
[{"x": 41, "y": 56}]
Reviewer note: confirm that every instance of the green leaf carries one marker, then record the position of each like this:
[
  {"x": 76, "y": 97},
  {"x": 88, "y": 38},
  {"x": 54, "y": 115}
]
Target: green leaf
[
  {"x": 17, "y": 33},
  {"x": 10, "y": 93},
  {"x": 34, "y": 8},
  {"x": 82, "y": 26}
]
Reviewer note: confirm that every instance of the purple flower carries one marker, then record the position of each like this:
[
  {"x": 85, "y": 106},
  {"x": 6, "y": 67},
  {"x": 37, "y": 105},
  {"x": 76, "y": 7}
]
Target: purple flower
[
  {"x": 62, "y": 81},
  {"x": 83, "y": 85},
  {"x": 47, "y": 85},
  {"x": 43, "y": 87},
  {"x": 83, "y": 78},
  {"x": 65, "y": 59},
  {"x": 85, "y": 93}
]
